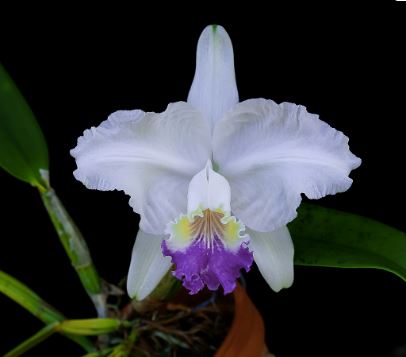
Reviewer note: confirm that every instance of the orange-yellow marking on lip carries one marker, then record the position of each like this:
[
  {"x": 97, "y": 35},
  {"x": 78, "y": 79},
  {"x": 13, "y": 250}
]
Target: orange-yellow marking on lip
[
  {"x": 232, "y": 230},
  {"x": 182, "y": 229},
  {"x": 206, "y": 224}
]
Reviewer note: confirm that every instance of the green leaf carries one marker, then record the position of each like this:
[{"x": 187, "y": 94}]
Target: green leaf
[
  {"x": 101, "y": 353},
  {"x": 34, "y": 340},
  {"x": 24, "y": 296},
  {"x": 23, "y": 150},
  {"x": 33, "y": 303},
  {"x": 330, "y": 238}
]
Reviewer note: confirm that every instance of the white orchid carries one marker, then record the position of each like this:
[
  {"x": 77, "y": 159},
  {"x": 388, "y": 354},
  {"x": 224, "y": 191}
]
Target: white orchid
[{"x": 214, "y": 180}]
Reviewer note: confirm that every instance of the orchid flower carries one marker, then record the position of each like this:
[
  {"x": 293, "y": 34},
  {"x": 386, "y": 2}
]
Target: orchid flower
[{"x": 215, "y": 181}]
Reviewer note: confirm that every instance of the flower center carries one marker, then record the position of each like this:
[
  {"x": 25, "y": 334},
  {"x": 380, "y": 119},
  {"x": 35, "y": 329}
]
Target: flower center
[
  {"x": 207, "y": 245},
  {"x": 207, "y": 227}
]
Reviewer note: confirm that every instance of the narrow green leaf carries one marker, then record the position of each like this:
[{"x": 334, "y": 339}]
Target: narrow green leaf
[
  {"x": 124, "y": 349},
  {"x": 34, "y": 340},
  {"x": 101, "y": 353},
  {"x": 24, "y": 296},
  {"x": 330, "y": 238},
  {"x": 33, "y": 303},
  {"x": 121, "y": 351},
  {"x": 23, "y": 150}
]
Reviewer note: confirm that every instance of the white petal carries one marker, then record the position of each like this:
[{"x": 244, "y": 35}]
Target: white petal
[
  {"x": 149, "y": 156},
  {"x": 209, "y": 190},
  {"x": 214, "y": 90},
  {"x": 148, "y": 265},
  {"x": 272, "y": 153},
  {"x": 273, "y": 254}
]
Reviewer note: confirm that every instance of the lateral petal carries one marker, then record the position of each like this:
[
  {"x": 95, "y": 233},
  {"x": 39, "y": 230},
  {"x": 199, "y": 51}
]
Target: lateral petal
[
  {"x": 149, "y": 156},
  {"x": 272, "y": 153}
]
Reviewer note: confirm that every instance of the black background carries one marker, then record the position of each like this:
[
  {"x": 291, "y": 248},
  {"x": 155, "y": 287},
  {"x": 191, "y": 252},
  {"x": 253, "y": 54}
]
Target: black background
[{"x": 75, "y": 69}]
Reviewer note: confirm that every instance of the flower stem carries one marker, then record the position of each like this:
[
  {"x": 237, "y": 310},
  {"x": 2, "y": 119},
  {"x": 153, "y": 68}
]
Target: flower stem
[{"x": 76, "y": 248}]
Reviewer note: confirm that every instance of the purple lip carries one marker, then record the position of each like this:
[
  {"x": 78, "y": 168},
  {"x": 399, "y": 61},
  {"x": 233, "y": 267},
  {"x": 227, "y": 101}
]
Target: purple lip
[{"x": 213, "y": 266}]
